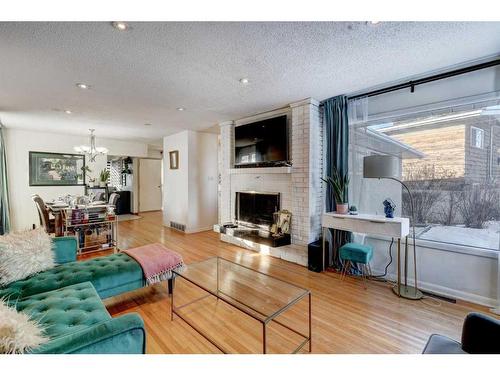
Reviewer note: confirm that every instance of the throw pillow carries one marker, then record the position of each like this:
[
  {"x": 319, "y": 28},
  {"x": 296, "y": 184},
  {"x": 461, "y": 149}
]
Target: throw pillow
[
  {"x": 18, "y": 334},
  {"x": 23, "y": 254}
]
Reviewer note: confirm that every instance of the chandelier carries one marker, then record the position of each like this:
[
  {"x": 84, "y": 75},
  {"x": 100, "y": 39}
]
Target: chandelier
[{"x": 91, "y": 151}]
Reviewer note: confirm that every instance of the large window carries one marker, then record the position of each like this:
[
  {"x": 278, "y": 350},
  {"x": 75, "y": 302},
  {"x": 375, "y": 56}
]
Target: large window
[{"x": 449, "y": 158}]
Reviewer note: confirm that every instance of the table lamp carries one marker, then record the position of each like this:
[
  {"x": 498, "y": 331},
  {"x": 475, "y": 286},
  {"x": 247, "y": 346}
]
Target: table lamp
[{"x": 387, "y": 166}]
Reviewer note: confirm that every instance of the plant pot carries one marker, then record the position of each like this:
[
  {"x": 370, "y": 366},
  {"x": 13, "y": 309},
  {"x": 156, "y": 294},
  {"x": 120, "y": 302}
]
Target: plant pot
[
  {"x": 102, "y": 184},
  {"x": 342, "y": 208},
  {"x": 91, "y": 184}
]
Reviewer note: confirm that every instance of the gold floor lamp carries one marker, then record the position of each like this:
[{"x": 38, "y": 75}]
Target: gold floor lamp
[{"x": 387, "y": 166}]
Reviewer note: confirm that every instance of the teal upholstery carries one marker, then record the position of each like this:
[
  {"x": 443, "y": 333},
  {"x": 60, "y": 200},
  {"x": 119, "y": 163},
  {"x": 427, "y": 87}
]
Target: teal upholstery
[
  {"x": 77, "y": 322},
  {"x": 110, "y": 275},
  {"x": 67, "y": 301},
  {"x": 356, "y": 252},
  {"x": 65, "y": 249}
]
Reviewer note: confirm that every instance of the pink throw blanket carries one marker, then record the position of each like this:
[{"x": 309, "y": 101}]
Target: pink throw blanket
[{"x": 157, "y": 261}]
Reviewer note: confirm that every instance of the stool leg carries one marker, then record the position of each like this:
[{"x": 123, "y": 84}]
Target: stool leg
[
  {"x": 363, "y": 275},
  {"x": 369, "y": 269},
  {"x": 344, "y": 270}
]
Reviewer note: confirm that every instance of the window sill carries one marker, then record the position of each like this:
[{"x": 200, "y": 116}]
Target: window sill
[{"x": 453, "y": 248}]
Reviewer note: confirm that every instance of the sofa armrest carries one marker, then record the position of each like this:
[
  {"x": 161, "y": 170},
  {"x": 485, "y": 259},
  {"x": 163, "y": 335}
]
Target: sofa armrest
[
  {"x": 121, "y": 335},
  {"x": 65, "y": 249},
  {"x": 480, "y": 334}
]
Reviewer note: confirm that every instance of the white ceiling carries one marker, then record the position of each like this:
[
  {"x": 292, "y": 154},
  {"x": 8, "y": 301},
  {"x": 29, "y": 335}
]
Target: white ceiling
[{"x": 143, "y": 74}]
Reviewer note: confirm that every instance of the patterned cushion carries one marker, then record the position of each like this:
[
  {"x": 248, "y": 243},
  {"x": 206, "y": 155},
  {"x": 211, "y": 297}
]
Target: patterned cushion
[
  {"x": 66, "y": 310},
  {"x": 356, "y": 252},
  {"x": 106, "y": 273}
]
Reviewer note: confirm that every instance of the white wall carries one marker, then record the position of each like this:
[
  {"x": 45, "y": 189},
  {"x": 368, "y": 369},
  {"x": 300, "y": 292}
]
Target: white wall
[
  {"x": 175, "y": 186},
  {"x": 190, "y": 192},
  {"x": 466, "y": 274},
  {"x": 20, "y": 142}
]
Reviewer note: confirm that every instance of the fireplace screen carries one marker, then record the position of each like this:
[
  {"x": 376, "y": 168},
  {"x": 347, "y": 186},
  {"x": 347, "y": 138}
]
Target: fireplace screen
[{"x": 256, "y": 208}]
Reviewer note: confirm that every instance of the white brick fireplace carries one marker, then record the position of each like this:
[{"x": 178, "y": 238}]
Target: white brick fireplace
[{"x": 299, "y": 185}]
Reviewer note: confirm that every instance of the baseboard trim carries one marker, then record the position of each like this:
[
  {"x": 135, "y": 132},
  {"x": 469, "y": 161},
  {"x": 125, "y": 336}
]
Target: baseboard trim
[
  {"x": 197, "y": 230},
  {"x": 447, "y": 292}
]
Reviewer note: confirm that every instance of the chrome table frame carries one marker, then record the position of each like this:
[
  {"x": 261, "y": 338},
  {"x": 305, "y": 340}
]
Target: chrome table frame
[{"x": 227, "y": 299}]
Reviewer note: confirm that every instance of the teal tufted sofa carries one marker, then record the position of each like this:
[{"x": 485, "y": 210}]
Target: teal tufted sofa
[
  {"x": 67, "y": 301},
  {"x": 110, "y": 275},
  {"x": 77, "y": 322}
]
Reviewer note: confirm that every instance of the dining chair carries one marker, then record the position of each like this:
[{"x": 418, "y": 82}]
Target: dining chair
[
  {"x": 43, "y": 214},
  {"x": 113, "y": 199}
]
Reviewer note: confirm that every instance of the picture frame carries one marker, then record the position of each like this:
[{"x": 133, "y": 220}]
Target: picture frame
[
  {"x": 174, "y": 159},
  {"x": 56, "y": 169}
]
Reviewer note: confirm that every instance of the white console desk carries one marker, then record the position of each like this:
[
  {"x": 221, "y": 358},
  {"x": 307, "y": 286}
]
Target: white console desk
[{"x": 398, "y": 227}]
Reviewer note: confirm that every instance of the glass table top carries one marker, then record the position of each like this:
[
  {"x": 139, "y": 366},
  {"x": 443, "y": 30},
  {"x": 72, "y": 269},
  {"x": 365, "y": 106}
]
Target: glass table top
[{"x": 257, "y": 294}]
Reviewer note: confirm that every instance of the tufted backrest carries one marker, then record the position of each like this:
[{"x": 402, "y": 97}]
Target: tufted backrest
[{"x": 105, "y": 273}]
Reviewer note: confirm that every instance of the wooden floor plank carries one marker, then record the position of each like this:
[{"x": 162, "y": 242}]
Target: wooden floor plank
[{"x": 346, "y": 317}]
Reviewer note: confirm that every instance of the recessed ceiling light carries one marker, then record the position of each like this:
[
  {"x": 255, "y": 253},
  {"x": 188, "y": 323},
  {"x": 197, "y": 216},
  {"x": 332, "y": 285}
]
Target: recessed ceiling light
[
  {"x": 244, "y": 81},
  {"x": 373, "y": 22},
  {"x": 83, "y": 86},
  {"x": 68, "y": 112},
  {"x": 120, "y": 25},
  {"x": 181, "y": 109}
]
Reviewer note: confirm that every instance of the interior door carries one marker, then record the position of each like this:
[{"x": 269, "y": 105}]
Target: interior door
[{"x": 150, "y": 185}]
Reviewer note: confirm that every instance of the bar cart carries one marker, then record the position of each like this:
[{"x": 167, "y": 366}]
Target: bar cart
[{"x": 94, "y": 226}]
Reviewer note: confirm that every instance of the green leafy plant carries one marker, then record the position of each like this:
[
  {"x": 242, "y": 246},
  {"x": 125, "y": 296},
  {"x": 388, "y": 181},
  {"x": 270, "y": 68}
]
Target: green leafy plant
[
  {"x": 85, "y": 170},
  {"x": 104, "y": 175},
  {"x": 338, "y": 184}
]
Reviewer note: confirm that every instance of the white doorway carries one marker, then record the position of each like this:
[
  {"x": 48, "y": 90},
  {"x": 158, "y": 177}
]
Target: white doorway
[{"x": 150, "y": 185}]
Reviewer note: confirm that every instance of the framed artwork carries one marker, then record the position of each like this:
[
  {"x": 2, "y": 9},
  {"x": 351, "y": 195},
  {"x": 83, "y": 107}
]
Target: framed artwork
[
  {"x": 174, "y": 159},
  {"x": 54, "y": 169}
]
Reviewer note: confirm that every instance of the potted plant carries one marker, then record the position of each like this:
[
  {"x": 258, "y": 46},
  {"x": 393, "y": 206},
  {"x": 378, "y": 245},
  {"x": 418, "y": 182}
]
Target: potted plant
[
  {"x": 338, "y": 184},
  {"x": 91, "y": 182},
  {"x": 103, "y": 178},
  {"x": 86, "y": 171}
]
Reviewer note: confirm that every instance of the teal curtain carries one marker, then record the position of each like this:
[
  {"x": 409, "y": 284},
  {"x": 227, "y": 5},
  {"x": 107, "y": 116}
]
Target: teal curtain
[
  {"x": 4, "y": 188},
  {"x": 336, "y": 139}
]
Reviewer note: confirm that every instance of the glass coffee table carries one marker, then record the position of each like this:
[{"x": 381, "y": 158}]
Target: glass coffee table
[{"x": 259, "y": 296}]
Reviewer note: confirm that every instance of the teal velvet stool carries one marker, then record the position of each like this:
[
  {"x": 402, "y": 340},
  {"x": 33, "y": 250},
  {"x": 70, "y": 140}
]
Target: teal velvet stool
[{"x": 356, "y": 253}]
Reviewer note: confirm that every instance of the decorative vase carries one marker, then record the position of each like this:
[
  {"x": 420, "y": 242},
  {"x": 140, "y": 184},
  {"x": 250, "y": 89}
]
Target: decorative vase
[
  {"x": 342, "y": 208},
  {"x": 102, "y": 184},
  {"x": 91, "y": 184}
]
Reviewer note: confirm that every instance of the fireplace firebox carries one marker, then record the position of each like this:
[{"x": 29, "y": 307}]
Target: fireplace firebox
[
  {"x": 254, "y": 217},
  {"x": 256, "y": 209}
]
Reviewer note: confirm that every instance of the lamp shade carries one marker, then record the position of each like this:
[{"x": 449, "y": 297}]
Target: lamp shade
[{"x": 380, "y": 166}]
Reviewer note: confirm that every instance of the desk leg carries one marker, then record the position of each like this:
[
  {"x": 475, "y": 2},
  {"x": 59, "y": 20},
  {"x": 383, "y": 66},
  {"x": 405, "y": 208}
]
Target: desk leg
[
  {"x": 399, "y": 268},
  {"x": 323, "y": 248},
  {"x": 406, "y": 261}
]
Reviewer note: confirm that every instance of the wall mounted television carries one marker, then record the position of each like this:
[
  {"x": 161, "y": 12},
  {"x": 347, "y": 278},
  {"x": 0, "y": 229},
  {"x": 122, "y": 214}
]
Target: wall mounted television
[{"x": 262, "y": 144}]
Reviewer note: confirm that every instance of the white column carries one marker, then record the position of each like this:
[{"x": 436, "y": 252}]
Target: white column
[
  {"x": 306, "y": 146},
  {"x": 227, "y": 162}
]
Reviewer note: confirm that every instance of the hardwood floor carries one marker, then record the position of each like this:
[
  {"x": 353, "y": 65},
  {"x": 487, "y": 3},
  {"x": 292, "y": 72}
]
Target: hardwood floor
[{"x": 346, "y": 317}]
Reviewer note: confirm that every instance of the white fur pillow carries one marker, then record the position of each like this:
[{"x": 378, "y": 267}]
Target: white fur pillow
[
  {"x": 23, "y": 254},
  {"x": 18, "y": 334}
]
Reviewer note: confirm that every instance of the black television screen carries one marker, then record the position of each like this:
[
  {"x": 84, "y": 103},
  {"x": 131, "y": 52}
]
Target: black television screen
[{"x": 263, "y": 143}]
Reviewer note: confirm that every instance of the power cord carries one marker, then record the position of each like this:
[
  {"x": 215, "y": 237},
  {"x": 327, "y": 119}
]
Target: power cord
[{"x": 382, "y": 276}]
